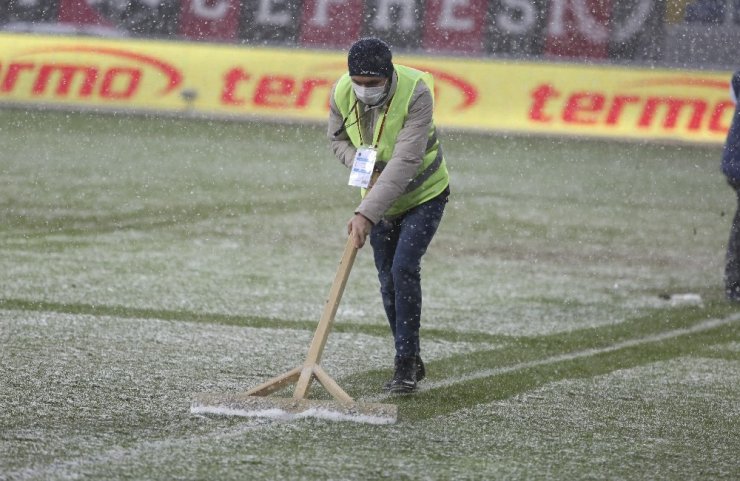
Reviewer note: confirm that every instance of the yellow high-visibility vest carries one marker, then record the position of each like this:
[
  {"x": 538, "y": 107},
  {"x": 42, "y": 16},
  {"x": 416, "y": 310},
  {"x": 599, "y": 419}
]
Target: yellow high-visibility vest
[{"x": 432, "y": 177}]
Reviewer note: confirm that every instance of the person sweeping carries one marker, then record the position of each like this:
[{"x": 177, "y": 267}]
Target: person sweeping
[{"x": 381, "y": 127}]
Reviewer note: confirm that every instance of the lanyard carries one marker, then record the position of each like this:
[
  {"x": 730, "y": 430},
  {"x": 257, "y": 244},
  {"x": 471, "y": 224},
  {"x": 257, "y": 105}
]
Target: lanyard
[{"x": 382, "y": 123}]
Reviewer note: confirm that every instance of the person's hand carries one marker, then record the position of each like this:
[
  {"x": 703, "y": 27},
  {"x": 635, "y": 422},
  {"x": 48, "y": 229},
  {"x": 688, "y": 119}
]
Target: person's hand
[{"x": 359, "y": 227}]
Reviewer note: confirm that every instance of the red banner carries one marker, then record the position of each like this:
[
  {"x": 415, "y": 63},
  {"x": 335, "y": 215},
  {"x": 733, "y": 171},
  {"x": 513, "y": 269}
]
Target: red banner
[
  {"x": 79, "y": 12},
  {"x": 578, "y": 28},
  {"x": 562, "y": 29},
  {"x": 210, "y": 19},
  {"x": 455, "y": 25},
  {"x": 331, "y": 23}
]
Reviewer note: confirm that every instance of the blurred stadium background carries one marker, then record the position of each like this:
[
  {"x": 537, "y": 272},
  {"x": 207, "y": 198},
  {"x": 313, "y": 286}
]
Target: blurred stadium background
[
  {"x": 148, "y": 258},
  {"x": 674, "y": 33}
]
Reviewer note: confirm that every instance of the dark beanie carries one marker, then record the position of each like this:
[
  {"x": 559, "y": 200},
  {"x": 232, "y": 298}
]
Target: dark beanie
[{"x": 370, "y": 57}]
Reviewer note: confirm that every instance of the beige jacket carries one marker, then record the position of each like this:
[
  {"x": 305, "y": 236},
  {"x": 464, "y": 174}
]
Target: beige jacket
[{"x": 408, "y": 152}]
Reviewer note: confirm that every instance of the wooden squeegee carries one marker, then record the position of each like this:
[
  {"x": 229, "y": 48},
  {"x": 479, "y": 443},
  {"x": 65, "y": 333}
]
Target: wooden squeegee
[{"x": 257, "y": 400}]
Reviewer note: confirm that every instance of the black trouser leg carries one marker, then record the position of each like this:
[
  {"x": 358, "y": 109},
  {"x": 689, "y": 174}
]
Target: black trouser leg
[{"x": 732, "y": 264}]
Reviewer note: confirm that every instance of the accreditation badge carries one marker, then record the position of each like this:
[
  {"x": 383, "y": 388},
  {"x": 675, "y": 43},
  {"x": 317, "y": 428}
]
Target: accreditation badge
[{"x": 362, "y": 167}]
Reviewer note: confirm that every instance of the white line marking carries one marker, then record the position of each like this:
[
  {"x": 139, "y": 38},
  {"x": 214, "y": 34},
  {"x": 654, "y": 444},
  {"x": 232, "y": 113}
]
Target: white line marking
[
  {"x": 702, "y": 326},
  {"x": 282, "y": 415}
]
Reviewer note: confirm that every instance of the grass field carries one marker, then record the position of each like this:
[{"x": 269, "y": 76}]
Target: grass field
[{"x": 144, "y": 260}]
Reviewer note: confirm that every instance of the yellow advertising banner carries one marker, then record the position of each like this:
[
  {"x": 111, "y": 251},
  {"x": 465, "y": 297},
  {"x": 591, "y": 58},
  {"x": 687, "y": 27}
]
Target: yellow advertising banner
[{"x": 294, "y": 84}]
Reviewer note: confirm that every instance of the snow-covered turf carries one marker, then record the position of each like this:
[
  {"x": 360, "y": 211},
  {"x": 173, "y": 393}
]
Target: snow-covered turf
[{"x": 573, "y": 325}]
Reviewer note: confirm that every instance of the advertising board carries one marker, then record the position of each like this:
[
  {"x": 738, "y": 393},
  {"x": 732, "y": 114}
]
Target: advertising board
[{"x": 294, "y": 84}]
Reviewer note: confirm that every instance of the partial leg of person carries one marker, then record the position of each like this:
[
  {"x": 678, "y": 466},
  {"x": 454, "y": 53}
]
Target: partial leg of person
[
  {"x": 383, "y": 239},
  {"x": 402, "y": 289},
  {"x": 732, "y": 264}
]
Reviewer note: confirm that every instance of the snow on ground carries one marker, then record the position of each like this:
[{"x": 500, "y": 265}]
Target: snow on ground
[{"x": 666, "y": 420}]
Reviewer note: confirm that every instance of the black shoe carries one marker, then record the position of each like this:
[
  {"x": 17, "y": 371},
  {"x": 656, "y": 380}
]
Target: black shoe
[
  {"x": 421, "y": 373},
  {"x": 404, "y": 379}
]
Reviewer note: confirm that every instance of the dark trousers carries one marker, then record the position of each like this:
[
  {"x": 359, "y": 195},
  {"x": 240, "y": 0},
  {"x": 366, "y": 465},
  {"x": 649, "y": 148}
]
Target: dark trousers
[
  {"x": 732, "y": 264},
  {"x": 398, "y": 245}
]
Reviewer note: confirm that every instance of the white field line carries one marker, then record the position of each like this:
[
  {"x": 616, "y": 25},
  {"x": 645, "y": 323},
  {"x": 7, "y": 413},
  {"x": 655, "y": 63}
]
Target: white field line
[
  {"x": 282, "y": 415},
  {"x": 702, "y": 326}
]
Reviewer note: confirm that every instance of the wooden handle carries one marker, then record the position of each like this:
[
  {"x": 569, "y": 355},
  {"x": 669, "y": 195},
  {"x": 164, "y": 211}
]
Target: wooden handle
[{"x": 326, "y": 322}]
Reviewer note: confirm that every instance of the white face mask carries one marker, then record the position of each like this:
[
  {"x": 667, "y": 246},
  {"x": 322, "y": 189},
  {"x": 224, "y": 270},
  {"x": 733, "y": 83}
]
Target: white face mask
[{"x": 369, "y": 95}]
